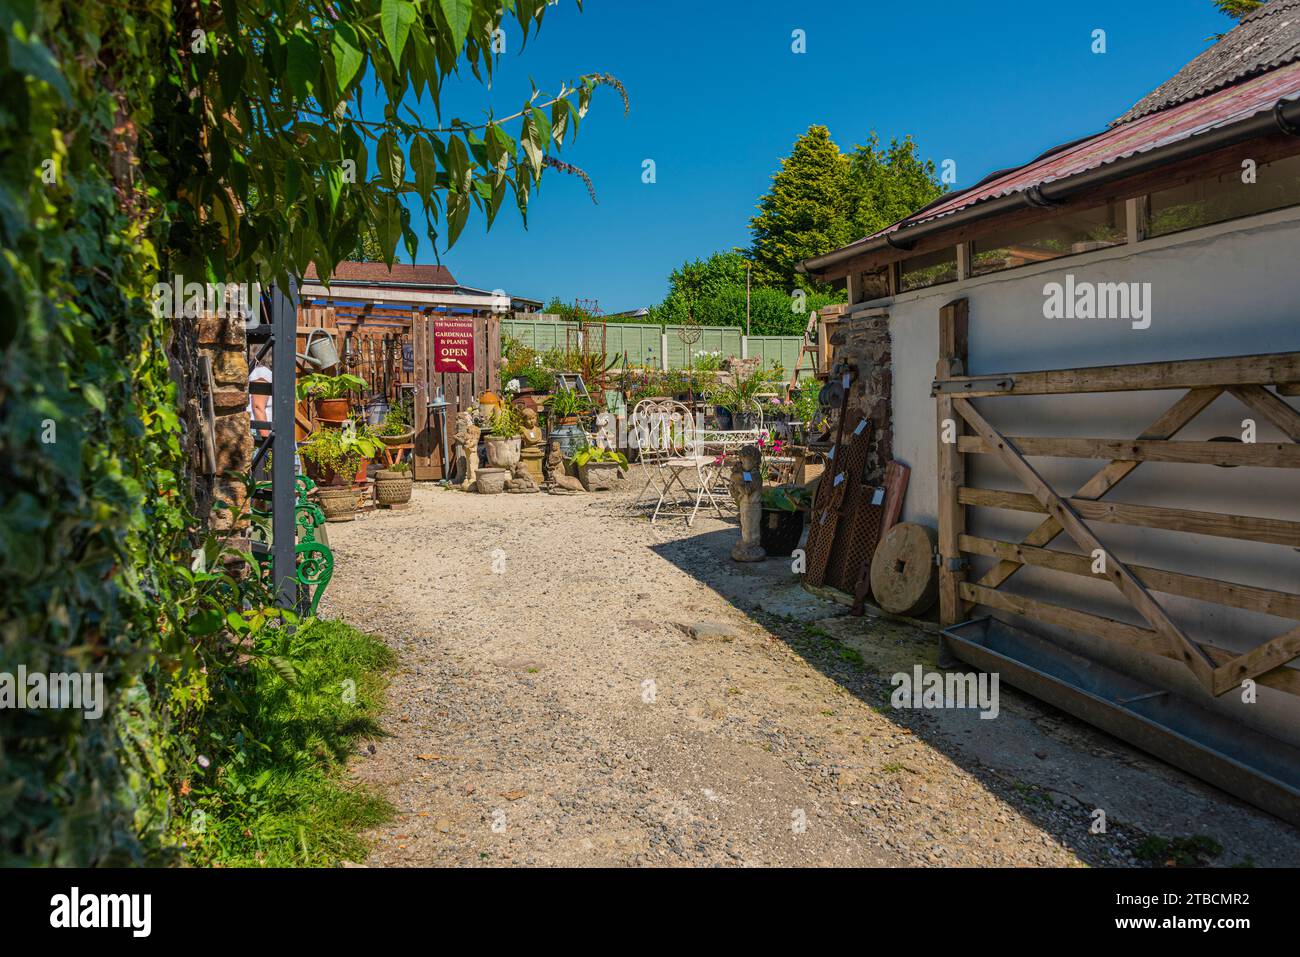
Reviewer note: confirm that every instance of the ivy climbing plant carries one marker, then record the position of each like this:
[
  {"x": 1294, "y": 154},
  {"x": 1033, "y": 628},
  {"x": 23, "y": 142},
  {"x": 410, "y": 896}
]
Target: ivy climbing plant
[{"x": 223, "y": 141}]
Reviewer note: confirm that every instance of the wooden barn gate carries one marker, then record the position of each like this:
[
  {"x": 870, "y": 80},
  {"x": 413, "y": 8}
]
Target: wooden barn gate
[
  {"x": 461, "y": 390},
  {"x": 1246, "y": 378}
]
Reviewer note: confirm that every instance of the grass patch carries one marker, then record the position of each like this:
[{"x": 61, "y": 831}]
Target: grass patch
[
  {"x": 276, "y": 795},
  {"x": 1194, "y": 851}
]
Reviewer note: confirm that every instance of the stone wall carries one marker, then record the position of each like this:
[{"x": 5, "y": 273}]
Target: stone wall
[
  {"x": 222, "y": 341},
  {"x": 863, "y": 343}
]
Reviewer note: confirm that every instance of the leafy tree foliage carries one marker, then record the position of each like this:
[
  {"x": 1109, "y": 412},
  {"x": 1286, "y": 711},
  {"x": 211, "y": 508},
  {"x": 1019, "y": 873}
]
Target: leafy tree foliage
[
  {"x": 807, "y": 211},
  {"x": 1237, "y": 9},
  {"x": 889, "y": 184},
  {"x": 821, "y": 200}
]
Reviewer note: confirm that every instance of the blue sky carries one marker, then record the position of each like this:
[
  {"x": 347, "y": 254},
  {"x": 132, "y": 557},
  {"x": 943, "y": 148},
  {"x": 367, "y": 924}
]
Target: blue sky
[{"x": 718, "y": 97}]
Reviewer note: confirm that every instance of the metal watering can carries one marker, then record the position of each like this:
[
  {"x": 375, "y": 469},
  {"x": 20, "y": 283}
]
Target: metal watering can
[{"x": 321, "y": 352}]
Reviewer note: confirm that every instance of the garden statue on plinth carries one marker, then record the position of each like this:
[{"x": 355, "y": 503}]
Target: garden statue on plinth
[
  {"x": 559, "y": 481},
  {"x": 530, "y": 443},
  {"x": 747, "y": 489},
  {"x": 465, "y": 472}
]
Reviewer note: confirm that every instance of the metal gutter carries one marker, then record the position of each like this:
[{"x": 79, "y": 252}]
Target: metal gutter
[{"x": 1284, "y": 117}]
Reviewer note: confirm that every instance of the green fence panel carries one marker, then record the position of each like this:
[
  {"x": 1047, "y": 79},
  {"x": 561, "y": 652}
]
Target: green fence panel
[{"x": 643, "y": 342}]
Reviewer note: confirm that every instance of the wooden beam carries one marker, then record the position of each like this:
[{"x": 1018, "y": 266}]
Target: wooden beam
[
  {"x": 1184, "y": 374},
  {"x": 1143, "y": 639},
  {"x": 1188, "y": 407},
  {"x": 1272, "y": 531},
  {"x": 954, "y": 322},
  {"x": 1116, "y": 570},
  {"x": 1284, "y": 455},
  {"x": 1276, "y": 410},
  {"x": 1234, "y": 595},
  {"x": 1271, "y": 654}
]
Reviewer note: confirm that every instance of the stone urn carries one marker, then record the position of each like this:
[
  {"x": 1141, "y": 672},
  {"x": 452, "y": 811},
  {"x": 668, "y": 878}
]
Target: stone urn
[
  {"x": 502, "y": 453},
  {"x": 599, "y": 476},
  {"x": 339, "y": 503},
  {"x": 492, "y": 481},
  {"x": 393, "y": 488}
]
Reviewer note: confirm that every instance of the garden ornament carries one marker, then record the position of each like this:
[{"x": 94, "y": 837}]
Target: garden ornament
[{"x": 747, "y": 489}]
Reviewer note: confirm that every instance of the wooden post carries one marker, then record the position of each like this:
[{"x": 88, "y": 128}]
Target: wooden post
[
  {"x": 422, "y": 455},
  {"x": 953, "y": 326}
]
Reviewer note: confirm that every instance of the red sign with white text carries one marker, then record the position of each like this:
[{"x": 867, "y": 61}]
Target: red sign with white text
[{"x": 453, "y": 345}]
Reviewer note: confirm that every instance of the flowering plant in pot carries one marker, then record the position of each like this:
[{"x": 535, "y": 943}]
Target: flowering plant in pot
[
  {"x": 502, "y": 441},
  {"x": 599, "y": 468},
  {"x": 334, "y": 456},
  {"x": 331, "y": 393}
]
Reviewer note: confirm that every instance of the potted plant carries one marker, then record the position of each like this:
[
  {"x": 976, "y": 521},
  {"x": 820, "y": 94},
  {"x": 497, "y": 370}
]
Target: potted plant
[
  {"x": 334, "y": 456},
  {"x": 599, "y": 469},
  {"x": 396, "y": 429},
  {"x": 502, "y": 440},
  {"x": 331, "y": 393},
  {"x": 784, "y": 510},
  {"x": 393, "y": 485},
  {"x": 565, "y": 406},
  {"x": 739, "y": 398}
]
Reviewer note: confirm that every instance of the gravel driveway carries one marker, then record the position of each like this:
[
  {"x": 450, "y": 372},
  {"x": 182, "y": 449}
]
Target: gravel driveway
[{"x": 577, "y": 687}]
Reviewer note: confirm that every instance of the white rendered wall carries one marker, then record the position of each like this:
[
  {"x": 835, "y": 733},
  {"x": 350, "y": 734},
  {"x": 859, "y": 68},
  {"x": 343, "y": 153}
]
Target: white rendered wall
[{"x": 1226, "y": 290}]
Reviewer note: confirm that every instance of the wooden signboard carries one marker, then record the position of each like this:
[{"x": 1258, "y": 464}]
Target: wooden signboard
[{"x": 453, "y": 344}]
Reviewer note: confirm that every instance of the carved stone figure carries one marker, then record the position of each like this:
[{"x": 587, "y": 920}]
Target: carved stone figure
[
  {"x": 464, "y": 473},
  {"x": 521, "y": 480},
  {"x": 747, "y": 489},
  {"x": 558, "y": 479},
  {"x": 606, "y": 437},
  {"x": 530, "y": 443}
]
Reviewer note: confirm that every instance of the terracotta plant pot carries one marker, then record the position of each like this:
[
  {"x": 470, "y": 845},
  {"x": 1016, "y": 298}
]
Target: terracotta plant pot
[
  {"x": 393, "y": 488},
  {"x": 361, "y": 470},
  {"x": 492, "y": 481},
  {"x": 599, "y": 476},
  {"x": 333, "y": 410},
  {"x": 338, "y": 504},
  {"x": 502, "y": 453}
]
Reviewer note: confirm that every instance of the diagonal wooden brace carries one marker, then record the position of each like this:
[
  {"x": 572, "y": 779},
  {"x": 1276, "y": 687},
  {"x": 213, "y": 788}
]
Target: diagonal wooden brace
[
  {"x": 1191, "y": 654},
  {"x": 1192, "y": 403}
]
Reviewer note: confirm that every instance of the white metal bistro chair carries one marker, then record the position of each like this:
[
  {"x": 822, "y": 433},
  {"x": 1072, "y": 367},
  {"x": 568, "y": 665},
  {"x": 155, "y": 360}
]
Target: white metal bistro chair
[{"x": 669, "y": 451}]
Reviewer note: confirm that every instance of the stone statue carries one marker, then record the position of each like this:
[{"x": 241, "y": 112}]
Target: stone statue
[
  {"x": 465, "y": 471},
  {"x": 559, "y": 480},
  {"x": 606, "y": 438},
  {"x": 530, "y": 443},
  {"x": 747, "y": 489},
  {"x": 521, "y": 480}
]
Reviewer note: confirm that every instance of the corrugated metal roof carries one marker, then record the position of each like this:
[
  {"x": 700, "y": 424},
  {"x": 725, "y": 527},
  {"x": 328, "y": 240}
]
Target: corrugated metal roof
[
  {"x": 1156, "y": 130},
  {"x": 1263, "y": 41}
]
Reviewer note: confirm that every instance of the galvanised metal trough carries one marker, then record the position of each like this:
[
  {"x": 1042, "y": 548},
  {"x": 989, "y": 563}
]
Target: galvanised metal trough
[{"x": 1254, "y": 766}]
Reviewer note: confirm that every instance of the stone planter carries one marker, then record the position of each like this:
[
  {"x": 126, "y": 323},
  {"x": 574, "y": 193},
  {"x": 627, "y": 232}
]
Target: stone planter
[
  {"x": 492, "y": 481},
  {"x": 599, "y": 476},
  {"x": 402, "y": 439},
  {"x": 502, "y": 453},
  {"x": 393, "y": 488},
  {"x": 338, "y": 504}
]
